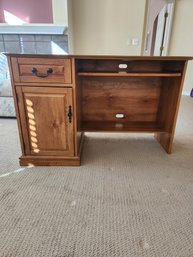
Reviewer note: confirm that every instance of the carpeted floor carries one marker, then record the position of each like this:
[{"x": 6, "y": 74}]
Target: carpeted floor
[{"x": 128, "y": 199}]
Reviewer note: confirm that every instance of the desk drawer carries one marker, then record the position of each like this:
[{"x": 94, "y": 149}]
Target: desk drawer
[{"x": 43, "y": 70}]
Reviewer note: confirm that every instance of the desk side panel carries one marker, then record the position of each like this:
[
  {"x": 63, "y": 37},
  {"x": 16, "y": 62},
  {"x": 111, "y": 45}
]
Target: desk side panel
[{"x": 168, "y": 108}]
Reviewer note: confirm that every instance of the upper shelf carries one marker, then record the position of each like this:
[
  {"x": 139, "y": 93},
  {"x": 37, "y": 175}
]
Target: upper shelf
[{"x": 125, "y": 74}]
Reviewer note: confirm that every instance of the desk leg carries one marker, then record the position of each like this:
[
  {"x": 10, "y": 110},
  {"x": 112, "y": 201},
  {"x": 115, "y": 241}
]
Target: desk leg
[{"x": 166, "y": 140}]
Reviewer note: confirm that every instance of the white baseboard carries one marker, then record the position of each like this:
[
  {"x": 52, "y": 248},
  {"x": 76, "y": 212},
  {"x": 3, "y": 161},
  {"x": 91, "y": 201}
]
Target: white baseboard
[{"x": 186, "y": 92}]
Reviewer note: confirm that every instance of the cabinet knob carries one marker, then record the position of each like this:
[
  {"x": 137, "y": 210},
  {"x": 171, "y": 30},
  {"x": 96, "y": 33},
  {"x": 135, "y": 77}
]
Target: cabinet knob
[{"x": 42, "y": 75}]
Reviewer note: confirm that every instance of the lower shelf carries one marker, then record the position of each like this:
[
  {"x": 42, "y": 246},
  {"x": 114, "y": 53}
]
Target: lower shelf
[{"x": 107, "y": 126}]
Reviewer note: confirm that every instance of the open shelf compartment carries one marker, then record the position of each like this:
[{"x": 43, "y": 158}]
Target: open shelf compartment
[
  {"x": 128, "y": 67},
  {"x": 125, "y": 104},
  {"x": 108, "y": 126},
  {"x": 140, "y": 94}
]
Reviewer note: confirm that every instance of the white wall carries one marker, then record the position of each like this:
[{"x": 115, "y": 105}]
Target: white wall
[
  {"x": 60, "y": 12},
  {"x": 104, "y": 26},
  {"x": 182, "y": 36}
]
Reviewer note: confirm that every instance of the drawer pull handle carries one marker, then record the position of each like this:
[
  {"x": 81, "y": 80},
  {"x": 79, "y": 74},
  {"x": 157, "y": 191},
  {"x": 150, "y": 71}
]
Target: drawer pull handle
[
  {"x": 70, "y": 113},
  {"x": 42, "y": 75}
]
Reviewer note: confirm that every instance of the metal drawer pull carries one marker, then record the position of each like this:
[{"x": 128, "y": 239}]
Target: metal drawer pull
[
  {"x": 70, "y": 113},
  {"x": 42, "y": 75}
]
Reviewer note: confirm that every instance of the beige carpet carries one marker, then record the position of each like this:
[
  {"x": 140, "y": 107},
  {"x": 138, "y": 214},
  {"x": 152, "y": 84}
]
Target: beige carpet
[{"x": 128, "y": 199}]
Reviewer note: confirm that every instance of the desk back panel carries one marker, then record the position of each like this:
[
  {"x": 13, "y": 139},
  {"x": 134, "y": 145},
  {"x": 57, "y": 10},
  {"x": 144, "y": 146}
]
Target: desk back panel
[{"x": 136, "y": 98}]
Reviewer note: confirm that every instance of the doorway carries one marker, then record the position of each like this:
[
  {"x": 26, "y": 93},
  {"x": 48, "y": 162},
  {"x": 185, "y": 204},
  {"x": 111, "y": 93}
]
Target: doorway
[{"x": 158, "y": 27}]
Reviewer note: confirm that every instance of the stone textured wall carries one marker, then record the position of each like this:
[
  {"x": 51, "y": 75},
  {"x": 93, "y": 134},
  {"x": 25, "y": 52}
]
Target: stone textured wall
[{"x": 34, "y": 44}]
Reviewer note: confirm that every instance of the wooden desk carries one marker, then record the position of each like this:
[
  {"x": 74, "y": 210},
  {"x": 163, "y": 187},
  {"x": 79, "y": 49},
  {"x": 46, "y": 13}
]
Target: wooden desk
[{"x": 58, "y": 98}]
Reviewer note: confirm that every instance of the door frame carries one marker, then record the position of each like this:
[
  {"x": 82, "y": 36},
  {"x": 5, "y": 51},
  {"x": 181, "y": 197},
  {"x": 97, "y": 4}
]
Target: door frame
[{"x": 147, "y": 41}]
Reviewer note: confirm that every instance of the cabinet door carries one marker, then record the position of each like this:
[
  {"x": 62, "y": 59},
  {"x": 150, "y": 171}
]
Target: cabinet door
[{"x": 46, "y": 120}]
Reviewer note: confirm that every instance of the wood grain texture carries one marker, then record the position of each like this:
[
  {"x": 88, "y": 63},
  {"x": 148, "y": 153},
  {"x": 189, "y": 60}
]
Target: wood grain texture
[
  {"x": 77, "y": 107},
  {"x": 29, "y": 160},
  {"x": 15, "y": 69},
  {"x": 103, "y": 98},
  {"x": 46, "y": 117},
  {"x": 50, "y": 84},
  {"x": 61, "y": 70},
  {"x": 124, "y": 74},
  {"x": 112, "y": 66},
  {"x": 45, "y": 161},
  {"x": 109, "y": 126},
  {"x": 168, "y": 109},
  {"x": 109, "y": 57},
  {"x": 23, "y": 120},
  {"x": 42, "y": 60},
  {"x": 144, "y": 91}
]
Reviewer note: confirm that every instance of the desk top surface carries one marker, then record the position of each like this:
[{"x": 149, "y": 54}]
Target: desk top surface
[{"x": 110, "y": 57}]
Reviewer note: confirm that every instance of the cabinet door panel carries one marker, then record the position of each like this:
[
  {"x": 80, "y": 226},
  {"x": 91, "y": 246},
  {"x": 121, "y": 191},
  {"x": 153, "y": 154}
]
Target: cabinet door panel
[{"x": 46, "y": 111}]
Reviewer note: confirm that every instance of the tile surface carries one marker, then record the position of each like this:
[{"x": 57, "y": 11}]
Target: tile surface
[
  {"x": 11, "y": 37},
  {"x": 2, "y": 49},
  {"x": 28, "y": 47},
  {"x": 44, "y": 47},
  {"x": 27, "y": 38},
  {"x": 12, "y": 47}
]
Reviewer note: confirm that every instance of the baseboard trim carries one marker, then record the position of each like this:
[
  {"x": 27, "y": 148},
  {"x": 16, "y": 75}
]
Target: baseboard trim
[{"x": 186, "y": 93}]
